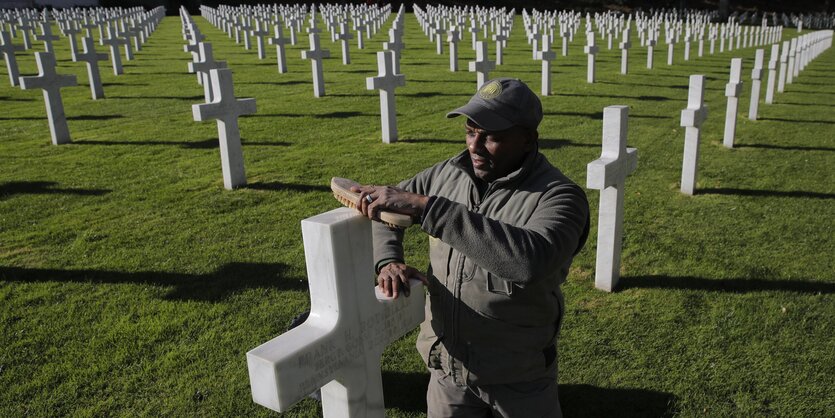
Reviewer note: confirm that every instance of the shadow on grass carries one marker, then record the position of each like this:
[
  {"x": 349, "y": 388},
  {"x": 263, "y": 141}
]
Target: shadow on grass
[
  {"x": 210, "y": 143},
  {"x": 79, "y": 117},
  {"x": 332, "y": 115},
  {"x": 276, "y": 83},
  {"x": 830, "y": 122},
  {"x": 407, "y": 392},
  {"x": 227, "y": 280},
  {"x": 784, "y": 147},
  {"x": 593, "y": 401},
  {"x": 545, "y": 143},
  {"x": 279, "y": 186},
  {"x": 432, "y": 141},
  {"x": 43, "y": 187},
  {"x": 612, "y": 96},
  {"x": 15, "y": 99},
  {"x": 432, "y": 94},
  {"x": 197, "y": 97},
  {"x": 736, "y": 285},
  {"x": 767, "y": 193}
]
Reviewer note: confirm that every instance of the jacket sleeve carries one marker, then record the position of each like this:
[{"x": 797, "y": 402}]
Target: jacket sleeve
[
  {"x": 552, "y": 235},
  {"x": 388, "y": 242}
]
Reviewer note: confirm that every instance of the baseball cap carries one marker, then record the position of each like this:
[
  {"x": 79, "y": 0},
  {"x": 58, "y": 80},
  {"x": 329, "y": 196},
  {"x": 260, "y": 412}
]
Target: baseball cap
[{"x": 502, "y": 103}]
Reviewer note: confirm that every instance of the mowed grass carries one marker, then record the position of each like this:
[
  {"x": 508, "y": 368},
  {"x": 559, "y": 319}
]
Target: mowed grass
[{"x": 132, "y": 283}]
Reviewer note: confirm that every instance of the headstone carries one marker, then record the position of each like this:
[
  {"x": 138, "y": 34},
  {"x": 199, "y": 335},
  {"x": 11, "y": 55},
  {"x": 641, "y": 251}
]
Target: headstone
[
  {"x": 546, "y": 55},
  {"x": 608, "y": 174},
  {"x": 732, "y": 91},
  {"x": 500, "y": 39},
  {"x": 260, "y": 33},
  {"x": 345, "y": 36},
  {"x": 481, "y": 66},
  {"x": 395, "y": 45},
  {"x": 453, "y": 37},
  {"x": 338, "y": 348},
  {"x": 92, "y": 59},
  {"x": 113, "y": 42},
  {"x": 692, "y": 119},
  {"x": 792, "y": 61},
  {"x": 315, "y": 55},
  {"x": 47, "y": 37},
  {"x": 624, "y": 55},
  {"x": 386, "y": 81},
  {"x": 756, "y": 77},
  {"x": 8, "y": 49},
  {"x": 25, "y": 26},
  {"x": 279, "y": 41},
  {"x": 772, "y": 73},
  {"x": 226, "y": 109},
  {"x": 784, "y": 60},
  {"x": 51, "y": 82},
  {"x": 70, "y": 31},
  {"x": 203, "y": 67},
  {"x": 650, "y": 51},
  {"x": 591, "y": 50}
]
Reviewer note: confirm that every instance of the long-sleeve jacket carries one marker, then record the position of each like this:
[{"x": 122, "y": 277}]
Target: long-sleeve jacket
[{"x": 497, "y": 260}]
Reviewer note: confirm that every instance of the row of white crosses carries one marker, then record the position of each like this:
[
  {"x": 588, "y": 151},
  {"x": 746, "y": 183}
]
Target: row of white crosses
[
  {"x": 220, "y": 104},
  {"x": 49, "y": 81},
  {"x": 447, "y": 24},
  {"x": 696, "y": 112}
]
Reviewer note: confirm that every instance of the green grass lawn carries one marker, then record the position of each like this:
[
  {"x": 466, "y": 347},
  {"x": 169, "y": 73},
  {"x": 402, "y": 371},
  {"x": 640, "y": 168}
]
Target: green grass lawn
[{"x": 132, "y": 283}]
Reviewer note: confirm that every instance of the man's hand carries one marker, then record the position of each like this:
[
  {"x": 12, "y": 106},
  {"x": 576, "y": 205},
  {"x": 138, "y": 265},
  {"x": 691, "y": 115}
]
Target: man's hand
[
  {"x": 394, "y": 279},
  {"x": 391, "y": 199}
]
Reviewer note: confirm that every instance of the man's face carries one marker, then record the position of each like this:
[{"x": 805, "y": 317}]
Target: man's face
[{"x": 495, "y": 154}]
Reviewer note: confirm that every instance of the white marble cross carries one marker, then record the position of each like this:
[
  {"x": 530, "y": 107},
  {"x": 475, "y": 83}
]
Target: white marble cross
[
  {"x": 92, "y": 59},
  {"x": 608, "y": 174},
  {"x": 692, "y": 119},
  {"x": 756, "y": 81},
  {"x": 481, "y": 66},
  {"x": 650, "y": 52},
  {"x": 591, "y": 50},
  {"x": 260, "y": 33},
  {"x": 395, "y": 45},
  {"x": 279, "y": 41},
  {"x": 386, "y": 81},
  {"x": 500, "y": 39},
  {"x": 51, "y": 82},
  {"x": 338, "y": 348},
  {"x": 792, "y": 54},
  {"x": 438, "y": 33},
  {"x": 70, "y": 31},
  {"x": 315, "y": 55},
  {"x": 624, "y": 46},
  {"x": 546, "y": 55},
  {"x": 732, "y": 91},
  {"x": 203, "y": 66},
  {"x": 226, "y": 109},
  {"x": 345, "y": 36},
  {"x": 454, "y": 35},
  {"x": 784, "y": 59},
  {"x": 8, "y": 49},
  {"x": 24, "y": 26},
  {"x": 360, "y": 28},
  {"x": 772, "y": 73},
  {"x": 47, "y": 37},
  {"x": 114, "y": 42}
]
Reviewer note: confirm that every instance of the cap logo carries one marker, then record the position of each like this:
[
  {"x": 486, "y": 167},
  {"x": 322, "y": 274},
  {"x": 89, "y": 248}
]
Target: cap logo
[{"x": 490, "y": 90}]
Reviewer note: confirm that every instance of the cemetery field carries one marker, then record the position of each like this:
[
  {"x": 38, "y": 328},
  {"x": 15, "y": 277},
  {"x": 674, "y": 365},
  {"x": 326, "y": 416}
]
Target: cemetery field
[{"x": 132, "y": 283}]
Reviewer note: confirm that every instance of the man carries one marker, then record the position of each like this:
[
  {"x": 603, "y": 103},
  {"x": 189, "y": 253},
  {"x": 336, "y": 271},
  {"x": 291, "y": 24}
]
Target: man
[{"x": 504, "y": 226}]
